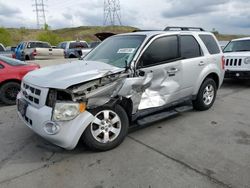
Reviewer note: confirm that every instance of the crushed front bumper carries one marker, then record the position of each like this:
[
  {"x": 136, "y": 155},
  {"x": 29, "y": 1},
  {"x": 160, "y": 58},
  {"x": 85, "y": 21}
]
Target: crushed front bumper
[{"x": 69, "y": 133}]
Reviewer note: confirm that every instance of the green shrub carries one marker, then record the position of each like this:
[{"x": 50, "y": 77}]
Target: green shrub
[
  {"x": 5, "y": 37},
  {"x": 49, "y": 36}
]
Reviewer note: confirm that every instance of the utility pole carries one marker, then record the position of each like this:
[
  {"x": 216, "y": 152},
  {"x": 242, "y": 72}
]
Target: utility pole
[
  {"x": 39, "y": 8},
  {"x": 112, "y": 12}
]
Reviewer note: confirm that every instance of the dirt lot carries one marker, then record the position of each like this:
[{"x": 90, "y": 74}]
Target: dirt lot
[{"x": 193, "y": 149}]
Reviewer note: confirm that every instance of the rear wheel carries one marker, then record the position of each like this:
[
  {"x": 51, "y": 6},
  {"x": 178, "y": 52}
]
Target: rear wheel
[
  {"x": 206, "y": 96},
  {"x": 108, "y": 129},
  {"x": 8, "y": 92}
]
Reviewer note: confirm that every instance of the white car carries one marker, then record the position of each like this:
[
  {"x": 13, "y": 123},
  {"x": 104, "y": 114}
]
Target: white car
[
  {"x": 133, "y": 78},
  {"x": 237, "y": 58}
]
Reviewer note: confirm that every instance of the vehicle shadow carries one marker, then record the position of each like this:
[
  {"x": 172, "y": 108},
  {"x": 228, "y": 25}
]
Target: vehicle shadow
[{"x": 236, "y": 83}]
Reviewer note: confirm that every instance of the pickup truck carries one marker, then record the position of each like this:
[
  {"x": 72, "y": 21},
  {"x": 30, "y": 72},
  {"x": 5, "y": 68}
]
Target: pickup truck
[
  {"x": 7, "y": 53},
  {"x": 31, "y": 50}
]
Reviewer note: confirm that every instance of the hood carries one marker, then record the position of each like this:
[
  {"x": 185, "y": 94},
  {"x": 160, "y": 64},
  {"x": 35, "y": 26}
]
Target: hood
[
  {"x": 65, "y": 75},
  {"x": 237, "y": 54}
]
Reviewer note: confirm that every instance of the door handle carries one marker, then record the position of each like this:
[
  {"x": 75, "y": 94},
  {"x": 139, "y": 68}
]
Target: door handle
[
  {"x": 202, "y": 63},
  {"x": 172, "y": 71}
]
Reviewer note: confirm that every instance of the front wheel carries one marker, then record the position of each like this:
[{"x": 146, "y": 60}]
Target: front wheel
[
  {"x": 206, "y": 95},
  {"x": 108, "y": 129}
]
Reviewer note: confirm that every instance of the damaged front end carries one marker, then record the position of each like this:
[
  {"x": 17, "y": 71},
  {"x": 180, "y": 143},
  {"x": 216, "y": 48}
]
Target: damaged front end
[{"x": 98, "y": 92}]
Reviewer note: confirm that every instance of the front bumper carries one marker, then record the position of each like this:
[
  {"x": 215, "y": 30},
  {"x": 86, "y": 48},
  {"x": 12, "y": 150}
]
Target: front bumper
[
  {"x": 70, "y": 131},
  {"x": 237, "y": 74}
]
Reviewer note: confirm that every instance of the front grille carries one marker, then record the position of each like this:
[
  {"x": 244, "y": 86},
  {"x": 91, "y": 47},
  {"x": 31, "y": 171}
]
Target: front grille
[
  {"x": 234, "y": 62},
  {"x": 31, "y": 93}
]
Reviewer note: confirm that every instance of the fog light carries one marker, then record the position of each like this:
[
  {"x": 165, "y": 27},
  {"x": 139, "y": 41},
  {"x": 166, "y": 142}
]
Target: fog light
[{"x": 51, "y": 128}]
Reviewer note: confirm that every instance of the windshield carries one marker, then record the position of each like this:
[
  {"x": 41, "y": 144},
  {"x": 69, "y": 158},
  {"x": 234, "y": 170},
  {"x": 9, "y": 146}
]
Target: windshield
[
  {"x": 117, "y": 51},
  {"x": 238, "y": 46},
  {"x": 11, "y": 61}
]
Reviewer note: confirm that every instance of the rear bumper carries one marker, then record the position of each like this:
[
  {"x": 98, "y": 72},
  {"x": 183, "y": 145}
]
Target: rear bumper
[{"x": 237, "y": 74}]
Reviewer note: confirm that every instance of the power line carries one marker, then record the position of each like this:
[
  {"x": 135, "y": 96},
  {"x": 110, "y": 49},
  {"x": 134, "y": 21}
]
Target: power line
[
  {"x": 39, "y": 8},
  {"x": 112, "y": 12}
]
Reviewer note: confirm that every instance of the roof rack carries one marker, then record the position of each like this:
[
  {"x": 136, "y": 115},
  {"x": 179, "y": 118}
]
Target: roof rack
[{"x": 170, "y": 28}]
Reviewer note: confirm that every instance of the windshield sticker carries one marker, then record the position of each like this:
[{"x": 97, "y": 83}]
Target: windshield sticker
[{"x": 126, "y": 50}]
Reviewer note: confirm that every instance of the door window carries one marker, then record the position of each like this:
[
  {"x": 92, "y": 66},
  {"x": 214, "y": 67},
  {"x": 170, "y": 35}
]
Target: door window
[
  {"x": 162, "y": 50},
  {"x": 189, "y": 47}
]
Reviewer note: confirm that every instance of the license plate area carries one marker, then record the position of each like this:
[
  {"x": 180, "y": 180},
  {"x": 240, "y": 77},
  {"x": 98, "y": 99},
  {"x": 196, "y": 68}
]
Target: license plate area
[{"x": 22, "y": 106}]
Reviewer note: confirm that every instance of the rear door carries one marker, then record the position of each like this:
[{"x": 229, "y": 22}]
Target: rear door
[
  {"x": 193, "y": 62},
  {"x": 162, "y": 60}
]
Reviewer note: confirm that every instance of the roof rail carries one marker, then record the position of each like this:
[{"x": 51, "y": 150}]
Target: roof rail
[
  {"x": 144, "y": 30},
  {"x": 175, "y": 28}
]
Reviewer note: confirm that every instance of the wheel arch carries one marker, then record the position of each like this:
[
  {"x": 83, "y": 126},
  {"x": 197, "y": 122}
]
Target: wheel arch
[
  {"x": 213, "y": 75},
  {"x": 10, "y": 80}
]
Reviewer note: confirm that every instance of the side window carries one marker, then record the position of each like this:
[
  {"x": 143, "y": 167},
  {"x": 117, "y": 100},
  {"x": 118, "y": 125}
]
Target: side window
[
  {"x": 161, "y": 50},
  {"x": 210, "y": 43},
  {"x": 190, "y": 48},
  {"x": 63, "y": 46},
  {"x": 1, "y": 48}
]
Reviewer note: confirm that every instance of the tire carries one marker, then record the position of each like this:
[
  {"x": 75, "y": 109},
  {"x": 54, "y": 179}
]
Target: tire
[
  {"x": 27, "y": 58},
  {"x": 94, "y": 136},
  {"x": 206, "y": 95},
  {"x": 8, "y": 92},
  {"x": 72, "y": 56}
]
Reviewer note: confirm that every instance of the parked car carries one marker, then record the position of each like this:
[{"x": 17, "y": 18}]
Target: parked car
[
  {"x": 73, "y": 49},
  {"x": 11, "y": 74},
  {"x": 31, "y": 50},
  {"x": 237, "y": 58},
  {"x": 133, "y": 78},
  {"x": 7, "y": 53}
]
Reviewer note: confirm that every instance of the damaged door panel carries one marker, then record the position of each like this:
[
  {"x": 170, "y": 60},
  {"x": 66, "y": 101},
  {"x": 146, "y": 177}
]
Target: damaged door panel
[{"x": 133, "y": 88}]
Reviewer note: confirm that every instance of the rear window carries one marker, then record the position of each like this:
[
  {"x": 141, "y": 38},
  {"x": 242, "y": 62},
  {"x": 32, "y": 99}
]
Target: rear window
[
  {"x": 38, "y": 45},
  {"x": 11, "y": 61},
  {"x": 210, "y": 43},
  {"x": 78, "y": 45}
]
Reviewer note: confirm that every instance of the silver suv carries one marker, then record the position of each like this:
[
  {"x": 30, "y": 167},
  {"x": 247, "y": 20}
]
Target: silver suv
[{"x": 129, "y": 79}]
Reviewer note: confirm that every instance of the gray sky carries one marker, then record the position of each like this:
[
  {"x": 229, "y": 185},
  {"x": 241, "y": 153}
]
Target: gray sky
[{"x": 226, "y": 16}]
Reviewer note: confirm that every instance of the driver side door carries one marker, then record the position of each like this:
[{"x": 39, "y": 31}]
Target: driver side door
[{"x": 161, "y": 59}]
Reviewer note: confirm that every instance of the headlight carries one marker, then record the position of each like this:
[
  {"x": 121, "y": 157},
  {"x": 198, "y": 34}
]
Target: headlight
[
  {"x": 67, "y": 111},
  {"x": 247, "y": 60}
]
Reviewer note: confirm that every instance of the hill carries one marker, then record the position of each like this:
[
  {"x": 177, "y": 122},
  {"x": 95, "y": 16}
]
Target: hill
[
  {"x": 77, "y": 33},
  {"x": 80, "y": 33}
]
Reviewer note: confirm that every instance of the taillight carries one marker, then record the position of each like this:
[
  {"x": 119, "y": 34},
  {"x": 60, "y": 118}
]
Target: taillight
[
  {"x": 223, "y": 63},
  {"x": 14, "y": 56},
  {"x": 34, "y": 52}
]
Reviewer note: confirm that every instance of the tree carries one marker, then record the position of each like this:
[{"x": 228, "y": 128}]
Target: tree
[{"x": 5, "y": 37}]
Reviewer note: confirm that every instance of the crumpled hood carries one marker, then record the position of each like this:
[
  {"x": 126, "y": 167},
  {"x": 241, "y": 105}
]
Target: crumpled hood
[
  {"x": 237, "y": 54},
  {"x": 65, "y": 75}
]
